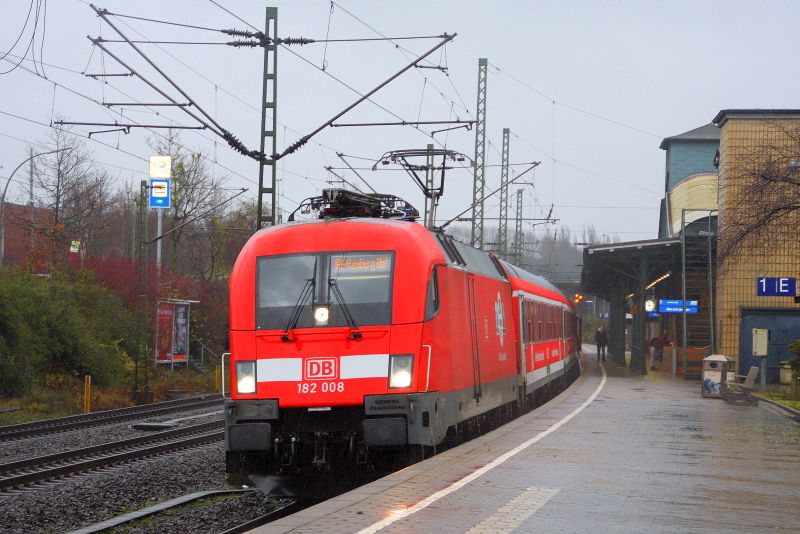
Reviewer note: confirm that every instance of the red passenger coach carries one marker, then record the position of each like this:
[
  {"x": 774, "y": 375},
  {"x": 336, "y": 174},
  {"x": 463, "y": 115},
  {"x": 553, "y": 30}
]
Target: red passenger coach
[{"x": 352, "y": 337}]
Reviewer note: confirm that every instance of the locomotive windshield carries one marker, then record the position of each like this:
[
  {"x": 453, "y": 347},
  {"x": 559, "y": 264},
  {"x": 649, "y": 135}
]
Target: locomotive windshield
[{"x": 364, "y": 280}]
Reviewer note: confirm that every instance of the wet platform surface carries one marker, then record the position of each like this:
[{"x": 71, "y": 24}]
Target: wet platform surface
[{"x": 614, "y": 453}]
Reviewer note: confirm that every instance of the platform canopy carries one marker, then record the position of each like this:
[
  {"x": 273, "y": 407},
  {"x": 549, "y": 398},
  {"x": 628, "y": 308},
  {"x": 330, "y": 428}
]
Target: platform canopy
[
  {"x": 619, "y": 265},
  {"x": 619, "y": 271}
]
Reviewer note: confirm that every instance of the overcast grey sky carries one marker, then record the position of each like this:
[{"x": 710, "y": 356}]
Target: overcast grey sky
[{"x": 654, "y": 69}]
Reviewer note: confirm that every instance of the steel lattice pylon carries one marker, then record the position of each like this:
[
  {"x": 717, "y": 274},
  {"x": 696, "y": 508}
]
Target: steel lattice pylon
[
  {"x": 502, "y": 231},
  {"x": 267, "y": 165},
  {"x": 518, "y": 230},
  {"x": 476, "y": 237}
]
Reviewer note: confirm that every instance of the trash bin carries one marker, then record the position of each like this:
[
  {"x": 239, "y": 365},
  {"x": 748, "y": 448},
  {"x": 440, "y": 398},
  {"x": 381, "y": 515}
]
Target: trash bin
[
  {"x": 715, "y": 373},
  {"x": 786, "y": 373}
]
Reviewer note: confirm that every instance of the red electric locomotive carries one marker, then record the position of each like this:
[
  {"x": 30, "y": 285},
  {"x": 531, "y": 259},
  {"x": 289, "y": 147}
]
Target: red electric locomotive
[{"x": 351, "y": 336}]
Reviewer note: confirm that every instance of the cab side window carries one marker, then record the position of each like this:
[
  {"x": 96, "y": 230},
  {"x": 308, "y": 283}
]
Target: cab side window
[{"x": 432, "y": 298}]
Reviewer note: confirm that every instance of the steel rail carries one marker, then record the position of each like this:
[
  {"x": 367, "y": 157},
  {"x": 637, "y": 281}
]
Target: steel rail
[
  {"x": 106, "y": 460},
  {"x": 39, "y": 462},
  {"x": 73, "y": 422}
]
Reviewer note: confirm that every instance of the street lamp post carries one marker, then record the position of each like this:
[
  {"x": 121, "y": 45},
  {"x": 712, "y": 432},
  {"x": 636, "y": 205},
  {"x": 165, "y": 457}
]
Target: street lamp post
[{"x": 3, "y": 201}]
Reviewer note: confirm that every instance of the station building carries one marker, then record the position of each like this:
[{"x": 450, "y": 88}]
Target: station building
[
  {"x": 690, "y": 182},
  {"x": 636, "y": 276},
  {"x": 728, "y": 224},
  {"x": 759, "y": 233}
]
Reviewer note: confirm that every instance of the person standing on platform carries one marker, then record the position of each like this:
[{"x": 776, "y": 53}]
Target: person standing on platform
[
  {"x": 601, "y": 340},
  {"x": 665, "y": 342},
  {"x": 656, "y": 344}
]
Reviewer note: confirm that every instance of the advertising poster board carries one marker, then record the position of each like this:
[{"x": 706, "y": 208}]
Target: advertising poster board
[
  {"x": 172, "y": 331},
  {"x": 164, "y": 324},
  {"x": 180, "y": 339}
]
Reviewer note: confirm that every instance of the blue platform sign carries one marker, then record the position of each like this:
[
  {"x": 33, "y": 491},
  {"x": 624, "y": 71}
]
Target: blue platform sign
[
  {"x": 676, "y": 306},
  {"x": 160, "y": 192},
  {"x": 776, "y": 287}
]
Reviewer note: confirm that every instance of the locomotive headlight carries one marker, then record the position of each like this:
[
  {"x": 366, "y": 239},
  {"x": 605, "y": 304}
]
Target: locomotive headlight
[
  {"x": 400, "y": 368},
  {"x": 246, "y": 377},
  {"x": 321, "y": 315}
]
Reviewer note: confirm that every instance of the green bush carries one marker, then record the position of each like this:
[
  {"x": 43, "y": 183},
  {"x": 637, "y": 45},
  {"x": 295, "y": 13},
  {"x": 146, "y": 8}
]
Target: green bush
[
  {"x": 66, "y": 324},
  {"x": 794, "y": 348}
]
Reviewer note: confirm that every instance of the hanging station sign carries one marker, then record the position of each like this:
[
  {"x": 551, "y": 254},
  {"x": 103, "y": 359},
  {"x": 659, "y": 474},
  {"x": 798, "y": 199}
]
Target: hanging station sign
[{"x": 160, "y": 183}]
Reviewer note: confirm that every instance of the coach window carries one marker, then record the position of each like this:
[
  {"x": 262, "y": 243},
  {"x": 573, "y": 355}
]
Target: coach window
[
  {"x": 529, "y": 322},
  {"x": 539, "y": 320},
  {"x": 432, "y": 298},
  {"x": 546, "y": 321},
  {"x": 526, "y": 318},
  {"x": 549, "y": 322}
]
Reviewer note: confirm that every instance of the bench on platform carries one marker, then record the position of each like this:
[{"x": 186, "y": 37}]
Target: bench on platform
[{"x": 736, "y": 391}]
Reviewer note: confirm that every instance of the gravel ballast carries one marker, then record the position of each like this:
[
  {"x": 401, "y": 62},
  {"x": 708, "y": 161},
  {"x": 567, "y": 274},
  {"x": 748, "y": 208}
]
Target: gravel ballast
[{"x": 87, "y": 499}]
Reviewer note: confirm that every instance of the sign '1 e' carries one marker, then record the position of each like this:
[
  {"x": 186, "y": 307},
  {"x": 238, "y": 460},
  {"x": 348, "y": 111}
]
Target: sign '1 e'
[{"x": 776, "y": 287}]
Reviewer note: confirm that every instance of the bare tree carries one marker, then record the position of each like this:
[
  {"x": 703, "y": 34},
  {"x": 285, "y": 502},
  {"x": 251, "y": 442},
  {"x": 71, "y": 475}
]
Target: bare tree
[
  {"x": 760, "y": 189},
  {"x": 195, "y": 189},
  {"x": 214, "y": 242},
  {"x": 590, "y": 235},
  {"x": 74, "y": 190},
  {"x": 118, "y": 235}
]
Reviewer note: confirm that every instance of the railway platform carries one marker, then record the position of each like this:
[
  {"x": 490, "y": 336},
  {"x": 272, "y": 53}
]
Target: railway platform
[{"x": 615, "y": 452}]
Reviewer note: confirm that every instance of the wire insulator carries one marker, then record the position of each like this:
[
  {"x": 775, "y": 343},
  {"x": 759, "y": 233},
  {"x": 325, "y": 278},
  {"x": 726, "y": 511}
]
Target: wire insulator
[
  {"x": 236, "y": 144},
  {"x": 300, "y": 142},
  {"x": 294, "y": 41},
  {"x": 245, "y": 44},
  {"x": 243, "y": 33}
]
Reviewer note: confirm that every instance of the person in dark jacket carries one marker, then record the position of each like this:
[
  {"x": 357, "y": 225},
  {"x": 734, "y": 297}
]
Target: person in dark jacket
[
  {"x": 657, "y": 345},
  {"x": 601, "y": 340}
]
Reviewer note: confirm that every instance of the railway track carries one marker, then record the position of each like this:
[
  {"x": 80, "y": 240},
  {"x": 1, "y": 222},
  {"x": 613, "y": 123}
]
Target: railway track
[
  {"x": 53, "y": 466},
  {"x": 274, "y": 515},
  {"x": 73, "y": 422},
  {"x": 280, "y": 511}
]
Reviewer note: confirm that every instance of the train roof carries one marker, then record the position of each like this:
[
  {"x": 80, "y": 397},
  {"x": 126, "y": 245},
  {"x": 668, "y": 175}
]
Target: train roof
[
  {"x": 392, "y": 232},
  {"x": 543, "y": 286},
  {"x": 320, "y": 235},
  {"x": 522, "y": 274},
  {"x": 481, "y": 262}
]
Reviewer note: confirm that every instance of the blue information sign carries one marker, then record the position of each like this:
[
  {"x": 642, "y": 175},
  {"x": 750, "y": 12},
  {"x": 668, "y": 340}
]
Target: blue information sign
[
  {"x": 776, "y": 287},
  {"x": 676, "y": 306},
  {"x": 160, "y": 192}
]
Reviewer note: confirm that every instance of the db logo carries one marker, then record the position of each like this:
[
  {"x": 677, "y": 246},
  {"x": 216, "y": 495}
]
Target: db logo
[{"x": 320, "y": 369}]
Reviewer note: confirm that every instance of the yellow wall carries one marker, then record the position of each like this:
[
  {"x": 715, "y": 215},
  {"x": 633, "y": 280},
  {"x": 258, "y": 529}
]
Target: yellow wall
[
  {"x": 776, "y": 252},
  {"x": 698, "y": 192}
]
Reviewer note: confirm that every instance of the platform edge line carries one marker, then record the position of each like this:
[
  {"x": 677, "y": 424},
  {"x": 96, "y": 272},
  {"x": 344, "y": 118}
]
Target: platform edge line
[{"x": 424, "y": 503}]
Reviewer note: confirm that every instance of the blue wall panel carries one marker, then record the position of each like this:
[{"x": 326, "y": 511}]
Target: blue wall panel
[{"x": 688, "y": 158}]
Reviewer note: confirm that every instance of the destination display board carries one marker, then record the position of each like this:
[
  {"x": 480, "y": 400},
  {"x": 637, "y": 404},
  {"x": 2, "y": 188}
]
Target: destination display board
[{"x": 676, "y": 306}]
